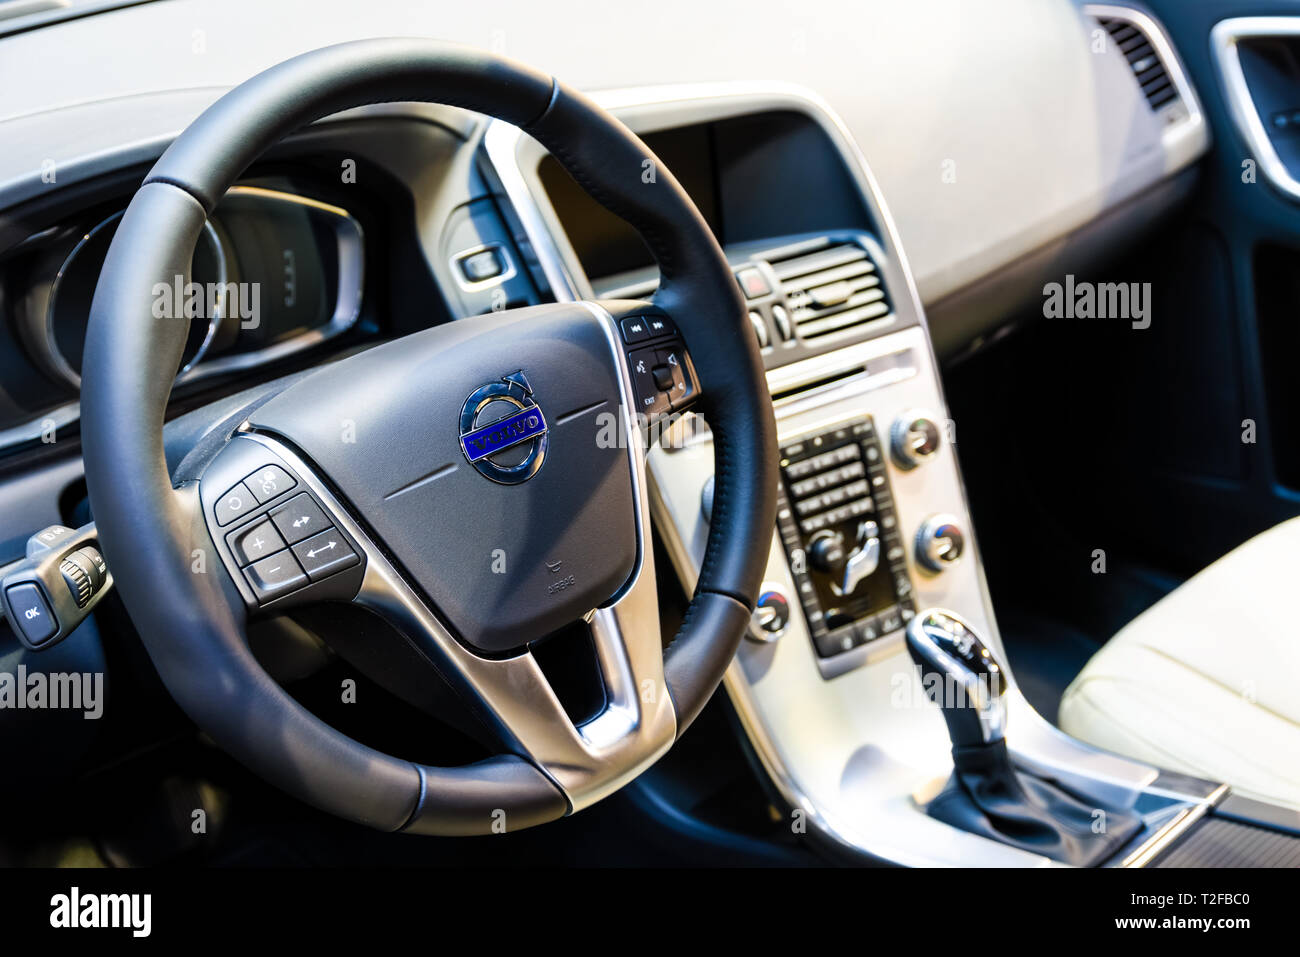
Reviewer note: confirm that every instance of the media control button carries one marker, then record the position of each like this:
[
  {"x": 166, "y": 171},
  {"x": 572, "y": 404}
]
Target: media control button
[
  {"x": 300, "y": 518},
  {"x": 869, "y": 629},
  {"x": 679, "y": 387},
  {"x": 650, "y": 399},
  {"x": 891, "y": 619},
  {"x": 660, "y": 326},
  {"x": 837, "y": 642},
  {"x": 634, "y": 329}
]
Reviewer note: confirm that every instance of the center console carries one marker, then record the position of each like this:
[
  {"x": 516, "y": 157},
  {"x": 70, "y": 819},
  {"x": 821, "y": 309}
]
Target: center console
[{"x": 873, "y": 535}]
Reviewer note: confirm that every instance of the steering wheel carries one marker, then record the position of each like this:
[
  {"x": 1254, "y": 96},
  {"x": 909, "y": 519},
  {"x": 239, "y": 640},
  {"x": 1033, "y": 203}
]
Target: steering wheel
[{"x": 404, "y": 478}]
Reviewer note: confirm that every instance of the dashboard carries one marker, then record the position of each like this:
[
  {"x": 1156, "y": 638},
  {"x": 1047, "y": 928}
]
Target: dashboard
[
  {"x": 883, "y": 205},
  {"x": 380, "y": 221}
]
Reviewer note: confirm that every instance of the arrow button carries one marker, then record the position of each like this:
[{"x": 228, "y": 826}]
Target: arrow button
[
  {"x": 324, "y": 554},
  {"x": 300, "y": 519}
]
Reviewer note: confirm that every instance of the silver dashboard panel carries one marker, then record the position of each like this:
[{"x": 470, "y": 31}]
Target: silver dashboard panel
[{"x": 853, "y": 743}]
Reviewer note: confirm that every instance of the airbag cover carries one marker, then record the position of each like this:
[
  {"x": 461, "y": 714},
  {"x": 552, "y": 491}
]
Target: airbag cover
[{"x": 503, "y": 563}]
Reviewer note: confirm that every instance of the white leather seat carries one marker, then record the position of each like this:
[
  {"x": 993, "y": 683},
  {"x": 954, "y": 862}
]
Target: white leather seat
[{"x": 1207, "y": 680}]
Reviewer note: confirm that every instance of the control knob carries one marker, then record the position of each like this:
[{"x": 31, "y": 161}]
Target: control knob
[
  {"x": 913, "y": 438},
  {"x": 939, "y": 542},
  {"x": 828, "y": 553},
  {"x": 771, "y": 615}
]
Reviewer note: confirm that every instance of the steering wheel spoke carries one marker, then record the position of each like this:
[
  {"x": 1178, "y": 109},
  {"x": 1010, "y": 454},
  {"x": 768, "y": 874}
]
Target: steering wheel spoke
[{"x": 287, "y": 537}]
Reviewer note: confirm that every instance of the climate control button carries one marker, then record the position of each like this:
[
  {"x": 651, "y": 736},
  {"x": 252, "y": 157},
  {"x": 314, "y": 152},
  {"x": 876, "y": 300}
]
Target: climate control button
[
  {"x": 913, "y": 438},
  {"x": 771, "y": 615},
  {"x": 939, "y": 542}
]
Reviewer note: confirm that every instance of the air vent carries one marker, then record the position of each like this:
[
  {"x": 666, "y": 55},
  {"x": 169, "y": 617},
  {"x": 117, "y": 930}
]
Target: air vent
[
  {"x": 831, "y": 290},
  {"x": 1157, "y": 86}
]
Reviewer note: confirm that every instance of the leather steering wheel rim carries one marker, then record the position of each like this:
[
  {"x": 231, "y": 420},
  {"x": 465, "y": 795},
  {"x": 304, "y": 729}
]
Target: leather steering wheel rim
[{"x": 152, "y": 530}]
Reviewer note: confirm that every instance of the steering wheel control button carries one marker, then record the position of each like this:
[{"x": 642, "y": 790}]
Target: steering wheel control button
[
  {"x": 80, "y": 579},
  {"x": 939, "y": 542},
  {"x": 913, "y": 438},
  {"x": 673, "y": 362},
  {"x": 634, "y": 330},
  {"x": 663, "y": 377},
  {"x": 268, "y": 482},
  {"x": 275, "y": 576},
  {"x": 324, "y": 554},
  {"x": 235, "y": 504},
  {"x": 300, "y": 518},
  {"x": 90, "y": 559},
  {"x": 47, "y": 539},
  {"x": 660, "y": 326},
  {"x": 257, "y": 542},
  {"x": 31, "y": 613},
  {"x": 650, "y": 399}
]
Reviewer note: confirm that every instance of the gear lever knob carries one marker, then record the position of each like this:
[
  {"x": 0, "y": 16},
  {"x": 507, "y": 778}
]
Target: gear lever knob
[{"x": 961, "y": 675}]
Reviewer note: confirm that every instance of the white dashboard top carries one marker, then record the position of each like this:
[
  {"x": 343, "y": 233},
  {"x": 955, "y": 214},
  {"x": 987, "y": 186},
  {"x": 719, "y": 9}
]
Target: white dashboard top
[{"x": 992, "y": 129}]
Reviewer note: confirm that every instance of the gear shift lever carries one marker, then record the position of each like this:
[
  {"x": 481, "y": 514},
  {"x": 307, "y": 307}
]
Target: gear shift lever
[
  {"x": 986, "y": 794},
  {"x": 972, "y": 680}
]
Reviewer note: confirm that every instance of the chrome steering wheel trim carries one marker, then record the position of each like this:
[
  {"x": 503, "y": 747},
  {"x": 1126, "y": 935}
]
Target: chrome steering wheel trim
[{"x": 638, "y": 722}]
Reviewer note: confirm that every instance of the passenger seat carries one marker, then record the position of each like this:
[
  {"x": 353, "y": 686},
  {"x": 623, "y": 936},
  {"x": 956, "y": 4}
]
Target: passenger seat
[{"x": 1207, "y": 680}]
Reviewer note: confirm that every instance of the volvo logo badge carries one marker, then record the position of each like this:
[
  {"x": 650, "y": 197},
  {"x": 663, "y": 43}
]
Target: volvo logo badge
[{"x": 503, "y": 430}]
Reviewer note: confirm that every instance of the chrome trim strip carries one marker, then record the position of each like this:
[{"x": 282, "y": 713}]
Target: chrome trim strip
[
  {"x": 638, "y": 724},
  {"x": 33, "y": 429},
  {"x": 501, "y": 143},
  {"x": 1174, "y": 829},
  {"x": 1224, "y": 40}
]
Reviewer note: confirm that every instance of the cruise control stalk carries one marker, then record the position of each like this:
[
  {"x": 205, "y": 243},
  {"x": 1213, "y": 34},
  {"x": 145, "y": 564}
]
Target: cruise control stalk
[{"x": 58, "y": 583}]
